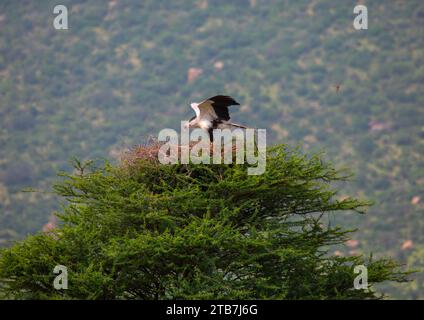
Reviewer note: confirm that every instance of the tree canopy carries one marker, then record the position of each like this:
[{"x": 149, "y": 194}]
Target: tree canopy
[{"x": 145, "y": 230}]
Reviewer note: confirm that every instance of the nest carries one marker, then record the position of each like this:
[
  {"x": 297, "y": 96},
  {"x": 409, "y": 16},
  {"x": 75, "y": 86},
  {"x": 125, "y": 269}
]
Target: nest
[{"x": 151, "y": 150}]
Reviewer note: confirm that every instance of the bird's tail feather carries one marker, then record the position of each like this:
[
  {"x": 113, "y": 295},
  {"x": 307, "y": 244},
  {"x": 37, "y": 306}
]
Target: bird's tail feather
[{"x": 230, "y": 124}]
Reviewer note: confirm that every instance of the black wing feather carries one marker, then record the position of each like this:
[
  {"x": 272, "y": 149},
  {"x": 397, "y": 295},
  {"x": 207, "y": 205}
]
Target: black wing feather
[{"x": 220, "y": 104}]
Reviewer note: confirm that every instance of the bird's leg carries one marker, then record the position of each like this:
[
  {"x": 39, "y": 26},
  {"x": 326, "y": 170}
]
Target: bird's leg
[{"x": 210, "y": 135}]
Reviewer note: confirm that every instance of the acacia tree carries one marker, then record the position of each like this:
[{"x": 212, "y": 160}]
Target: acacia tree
[{"x": 145, "y": 230}]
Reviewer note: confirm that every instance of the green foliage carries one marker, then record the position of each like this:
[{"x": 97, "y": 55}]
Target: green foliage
[
  {"x": 121, "y": 69},
  {"x": 153, "y": 231}
]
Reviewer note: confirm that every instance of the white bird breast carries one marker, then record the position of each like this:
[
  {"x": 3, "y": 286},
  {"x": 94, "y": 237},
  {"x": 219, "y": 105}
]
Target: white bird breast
[{"x": 205, "y": 124}]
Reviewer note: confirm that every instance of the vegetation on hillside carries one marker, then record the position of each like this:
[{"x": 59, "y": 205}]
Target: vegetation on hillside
[{"x": 126, "y": 67}]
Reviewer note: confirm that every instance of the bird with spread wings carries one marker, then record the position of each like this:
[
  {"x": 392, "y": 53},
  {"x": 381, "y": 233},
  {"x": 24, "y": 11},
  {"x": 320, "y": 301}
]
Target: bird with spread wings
[{"x": 213, "y": 114}]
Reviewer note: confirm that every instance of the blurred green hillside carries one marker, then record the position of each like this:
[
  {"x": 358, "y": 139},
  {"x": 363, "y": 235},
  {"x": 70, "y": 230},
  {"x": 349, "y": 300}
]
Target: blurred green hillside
[{"x": 127, "y": 69}]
